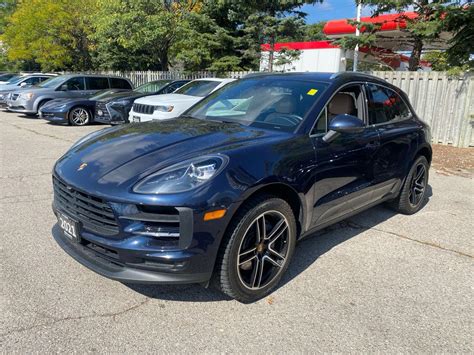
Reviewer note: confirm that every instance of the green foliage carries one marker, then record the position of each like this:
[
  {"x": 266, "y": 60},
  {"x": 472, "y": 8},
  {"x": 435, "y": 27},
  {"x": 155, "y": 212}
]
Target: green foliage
[
  {"x": 314, "y": 32},
  {"x": 426, "y": 28},
  {"x": 460, "y": 21},
  {"x": 6, "y": 9},
  {"x": 50, "y": 33}
]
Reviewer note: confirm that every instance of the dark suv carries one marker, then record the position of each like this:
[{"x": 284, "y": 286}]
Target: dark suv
[
  {"x": 227, "y": 189},
  {"x": 29, "y": 100},
  {"x": 114, "y": 108}
]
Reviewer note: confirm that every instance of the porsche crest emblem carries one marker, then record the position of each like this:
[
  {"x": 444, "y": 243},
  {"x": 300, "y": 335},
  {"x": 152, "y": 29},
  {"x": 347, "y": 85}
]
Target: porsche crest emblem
[{"x": 82, "y": 166}]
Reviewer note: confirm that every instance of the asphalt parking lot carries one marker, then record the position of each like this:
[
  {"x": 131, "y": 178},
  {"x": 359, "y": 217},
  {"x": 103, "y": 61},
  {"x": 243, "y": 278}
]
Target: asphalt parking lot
[{"x": 377, "y": 282}]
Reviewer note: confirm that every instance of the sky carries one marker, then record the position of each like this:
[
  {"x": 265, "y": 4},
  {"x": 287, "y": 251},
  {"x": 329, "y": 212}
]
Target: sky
[{"x": 331, "y": 10}]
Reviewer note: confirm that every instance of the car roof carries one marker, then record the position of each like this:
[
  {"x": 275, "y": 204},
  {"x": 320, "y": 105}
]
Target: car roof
[
  {"x": 94, "y": 76},
  {"x": 321, "y": 77},
  {"x": 221, "y": 80}
]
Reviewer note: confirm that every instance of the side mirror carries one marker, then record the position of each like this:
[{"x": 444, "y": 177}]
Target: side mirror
[
  {"x": 63, "y": 87},
  {"x": 343, "y": 124},
  {"x": 23, "y": 84}
]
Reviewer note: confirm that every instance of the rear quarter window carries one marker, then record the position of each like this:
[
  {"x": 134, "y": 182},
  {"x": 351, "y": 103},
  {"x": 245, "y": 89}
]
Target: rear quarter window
[
  {"x": 117, "y": 83},
  {"x": 97, "y": 83}
]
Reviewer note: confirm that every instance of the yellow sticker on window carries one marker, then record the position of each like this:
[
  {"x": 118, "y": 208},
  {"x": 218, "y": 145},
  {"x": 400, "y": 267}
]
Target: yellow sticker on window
[{"x": 312, "y": 92}]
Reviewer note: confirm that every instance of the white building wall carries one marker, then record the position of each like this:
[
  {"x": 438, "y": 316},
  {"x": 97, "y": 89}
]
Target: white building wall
[{"x": 312, "y": 60}]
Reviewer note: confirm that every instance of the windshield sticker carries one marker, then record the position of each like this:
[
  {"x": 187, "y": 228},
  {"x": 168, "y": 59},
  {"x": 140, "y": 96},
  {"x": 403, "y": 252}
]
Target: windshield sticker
[{"x": 312, "y": 92}]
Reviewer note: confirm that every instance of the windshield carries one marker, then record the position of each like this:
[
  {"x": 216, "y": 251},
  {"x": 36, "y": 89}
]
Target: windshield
[
  {"x": 273, "y": 103},
  {"x": 14, "y": 79},
  {"x": 199, "y": 88},
  {"x": 152, "y": 86},
  {"x": 7, "y": 77},
  {"x": 52, "y": 83}
]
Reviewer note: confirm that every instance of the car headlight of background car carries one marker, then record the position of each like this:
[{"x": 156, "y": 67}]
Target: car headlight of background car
[
  {"x": 164, "y": 108},
  {"x": 26, "y": 95},
  {"x": 183, "y": 176}
]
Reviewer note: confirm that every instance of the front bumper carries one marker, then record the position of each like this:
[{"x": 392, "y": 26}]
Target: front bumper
[
  {"x": 136, "y": 243},
  {"x": 111, "y": 113},
  {"x": 20, "y": 105},
  {"x": 118, "y": 271},
  {"x": 52, "y": 116}
]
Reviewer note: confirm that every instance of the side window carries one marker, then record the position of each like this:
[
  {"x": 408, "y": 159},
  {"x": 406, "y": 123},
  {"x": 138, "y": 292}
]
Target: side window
[
  {"x": 32, "y": 81},
  {"x": 97, "y": 83},
  {"x": 385, "y": 105},
  {"x": 118, "y": 83},
  {"x": 75, "y": 84},
  {"x": 172, "y": 87},
  {"x": 349, "y": 100}
]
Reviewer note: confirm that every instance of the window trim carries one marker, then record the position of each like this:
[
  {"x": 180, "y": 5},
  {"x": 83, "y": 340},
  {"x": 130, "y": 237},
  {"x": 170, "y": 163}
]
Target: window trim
[
  {"x": 365, "y": 113},
  {"x": 391, "y": 121}
]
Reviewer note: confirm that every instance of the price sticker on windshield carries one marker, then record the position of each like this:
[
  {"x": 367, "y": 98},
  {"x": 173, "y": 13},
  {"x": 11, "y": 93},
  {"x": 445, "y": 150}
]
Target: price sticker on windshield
[{"x": 312, "y": 92}]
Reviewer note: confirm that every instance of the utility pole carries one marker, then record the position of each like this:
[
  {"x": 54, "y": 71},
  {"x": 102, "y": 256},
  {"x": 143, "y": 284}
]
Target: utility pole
[{"x": 356, "y": 49}]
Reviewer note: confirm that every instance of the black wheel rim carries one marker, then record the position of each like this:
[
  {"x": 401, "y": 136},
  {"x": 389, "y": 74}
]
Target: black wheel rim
[
  {"x": 263, "y": 251},
  {"x": 418, "y": 185}
]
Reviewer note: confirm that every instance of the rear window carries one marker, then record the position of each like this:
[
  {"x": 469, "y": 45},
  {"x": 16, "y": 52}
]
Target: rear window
[
  {"x": 97, "y": 83},
  {"x": 198, "y": 88},
  {"x": 117, "y": 83}
]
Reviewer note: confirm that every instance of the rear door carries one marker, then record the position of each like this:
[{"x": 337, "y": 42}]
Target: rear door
[
  {"x": 94, "y": 84},
  {"x": 345, "y": 180},
  {"x": 389, "y": 114}
]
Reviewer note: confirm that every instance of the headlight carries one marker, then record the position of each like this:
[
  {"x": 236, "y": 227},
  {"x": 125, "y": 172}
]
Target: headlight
[
  {"x": 26, "y": 95},
  {"x": 183, "y": 176},
  {"x": 3, "y": 96},
  {"x": 167, "y": 108}
]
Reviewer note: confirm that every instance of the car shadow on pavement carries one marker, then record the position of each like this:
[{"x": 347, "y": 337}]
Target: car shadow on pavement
[{"x": 306, "y": 253}]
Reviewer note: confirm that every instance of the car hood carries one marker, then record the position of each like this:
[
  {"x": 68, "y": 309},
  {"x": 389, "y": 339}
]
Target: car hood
[
  {"x": 169, "y": 99},
  {"x": 120, "y": 156},
  {"x": 7, "y": 87},
  {"x": 121, "y": 94}
]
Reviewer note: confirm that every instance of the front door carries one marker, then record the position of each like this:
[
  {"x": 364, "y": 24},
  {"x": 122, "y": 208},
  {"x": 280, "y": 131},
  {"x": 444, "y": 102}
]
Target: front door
[{"x": 345, "y": 179}]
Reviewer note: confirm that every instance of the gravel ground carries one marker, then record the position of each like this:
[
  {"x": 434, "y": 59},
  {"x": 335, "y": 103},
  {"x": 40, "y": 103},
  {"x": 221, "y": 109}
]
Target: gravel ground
[{"x": 379, "y": 282}]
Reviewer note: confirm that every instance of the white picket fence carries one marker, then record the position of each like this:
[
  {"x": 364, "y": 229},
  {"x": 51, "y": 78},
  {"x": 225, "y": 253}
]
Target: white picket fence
[
  {"x": 445, "y": 102},
  {"x": 142, "y": 77}
]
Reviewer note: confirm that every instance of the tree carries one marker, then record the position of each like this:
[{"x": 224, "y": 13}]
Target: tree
[
  {"x": 460, "y": 21},
  {"x": 426, "y": 27},
  {"x": 51, "y": 33},
  {"x": 314, "y": 32},
  {"x": 7, "y": 7},
  {"x": 203, "y": 45},
  {"x": 271, "y": 21},
  {"x": 139, "y": 34}
]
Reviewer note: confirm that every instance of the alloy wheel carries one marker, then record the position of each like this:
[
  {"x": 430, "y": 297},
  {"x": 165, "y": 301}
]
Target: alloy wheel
[
  {"x": 79, "y": 116},
  {"x": 263, "y": 250},
  {"x": 418, "y": 185}
]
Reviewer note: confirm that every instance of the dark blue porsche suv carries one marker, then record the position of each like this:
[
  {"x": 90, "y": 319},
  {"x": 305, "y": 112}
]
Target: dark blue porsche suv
[{"x": 225, "y": 191}]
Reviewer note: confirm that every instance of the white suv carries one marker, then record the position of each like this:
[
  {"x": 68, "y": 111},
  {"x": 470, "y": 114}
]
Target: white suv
[{"x": 162, "y": 107}]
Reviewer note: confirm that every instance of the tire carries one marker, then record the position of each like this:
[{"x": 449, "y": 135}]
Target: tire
[
  {"x": 79, "y": 116},
  {"x": 413, "y": 193},
  {"x": 263, "y": 263}
]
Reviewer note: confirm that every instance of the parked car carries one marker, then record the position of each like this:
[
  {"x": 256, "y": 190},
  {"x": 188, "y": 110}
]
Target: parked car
[
  {"x": 161, "y": 107},
  {"x": 65, "y": 86},
  {"x": 114, "y": 108},
  {"x": 227, "y": 190},
  {"x": 74, "y": 111},
  {"x": 22, "y": 81},
  {"x": 5, "y": 77}
]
